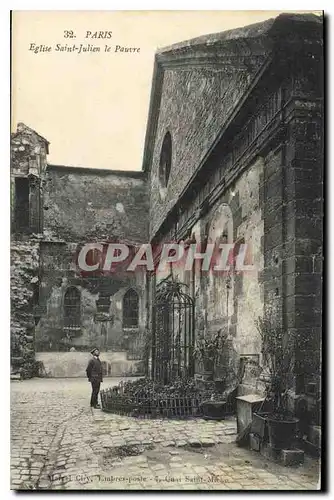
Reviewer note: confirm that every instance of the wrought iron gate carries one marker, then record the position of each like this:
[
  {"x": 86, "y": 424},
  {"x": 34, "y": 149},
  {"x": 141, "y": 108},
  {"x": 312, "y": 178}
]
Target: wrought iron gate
[{"x": 173, "y": 333}]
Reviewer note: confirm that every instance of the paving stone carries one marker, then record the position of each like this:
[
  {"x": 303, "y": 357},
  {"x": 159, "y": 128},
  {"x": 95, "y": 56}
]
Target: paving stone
[
  {"x": 200, "y": 470},
  {"x": 206, "y": 442},
  {"x": 168, "y": 443},
  {"x": 174, "y": 452},
  {"x": 147, "y": 441},
  {"x": 161, "y": 475},
  {"x": 25, "y": 471},
  {"x": 34, "y": 473},
  {"x": 16, "y": 481},
  {"x": 15, "y": 475},
  {"x": 180, "y": 444},
  {"x": 139, "y": 459},
  {"x": 270, "y": 480},
  {"x": 235, "y": 486},
  {"x": 158, "y": 467},
  {"x": 43, "y": 484},
  {"x": 194, "y": 442},
  {"x": 228, "y": 432}
]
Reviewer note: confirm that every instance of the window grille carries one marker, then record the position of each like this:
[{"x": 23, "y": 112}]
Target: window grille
[{"x": 130, "y": 309}]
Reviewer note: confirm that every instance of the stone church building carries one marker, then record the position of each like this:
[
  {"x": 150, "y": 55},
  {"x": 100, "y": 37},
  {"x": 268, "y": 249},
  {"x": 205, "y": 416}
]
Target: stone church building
[{"x": 233, "y": 153}]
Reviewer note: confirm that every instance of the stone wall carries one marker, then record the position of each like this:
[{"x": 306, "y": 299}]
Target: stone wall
[
  {"x": 80, "y": 206},
  {"x": 194, "y": 106},
  {"x": 253, "y": 184},
  {"x": 28, "y": 161},
  {"x": 95, "y": 205},
  {"x": 294, "y": 238},
  {"x": 232, "y": 302},
  {"x": 74, "y": 364},
  {"x": 58, "y": 273},
  {"x": 24, "y": 274},
  {"x": 198, "y": 88}
]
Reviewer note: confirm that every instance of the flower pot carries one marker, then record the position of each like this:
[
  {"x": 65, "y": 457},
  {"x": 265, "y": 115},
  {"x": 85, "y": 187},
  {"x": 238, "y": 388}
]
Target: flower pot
[
  {"x": 214, "y": 410},
  {"x": 281, "y": 432},
  {"x": 220, "y": 385}
]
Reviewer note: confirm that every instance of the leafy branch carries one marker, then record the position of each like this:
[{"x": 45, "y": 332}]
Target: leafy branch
[
  {"x": 278, "y": 357},
  {"x": 209, "y": 348}
]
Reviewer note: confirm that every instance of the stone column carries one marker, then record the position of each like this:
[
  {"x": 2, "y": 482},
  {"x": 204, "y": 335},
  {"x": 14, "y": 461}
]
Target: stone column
[
  {"x": 292, "y": 209},
  {"x": 304, "y": 235}
]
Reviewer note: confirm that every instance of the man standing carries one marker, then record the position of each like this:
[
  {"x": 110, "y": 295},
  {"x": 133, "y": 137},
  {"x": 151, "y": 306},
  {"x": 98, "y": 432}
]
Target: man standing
[{"x": 94, "y": 374}]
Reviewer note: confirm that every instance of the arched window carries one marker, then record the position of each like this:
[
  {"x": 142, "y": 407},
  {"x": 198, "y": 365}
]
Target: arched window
[
  {"x": 165, "y": 160},
  {"x": 221, "y": 292},
  {"x": 72, "y": 309},
  {"x": 130, "y": 309}
]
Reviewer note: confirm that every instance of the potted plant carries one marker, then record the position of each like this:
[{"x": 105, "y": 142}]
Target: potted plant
[
  {"x": 208, "y": 350},
  {"x": 278, "y": 357}
]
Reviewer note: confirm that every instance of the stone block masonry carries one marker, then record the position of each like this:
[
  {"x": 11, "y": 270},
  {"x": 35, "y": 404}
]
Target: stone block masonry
[
  {"x": 24, "y": 274},
  {"x": 245, "y": 144},
  {"x": 87, "y": 204}
]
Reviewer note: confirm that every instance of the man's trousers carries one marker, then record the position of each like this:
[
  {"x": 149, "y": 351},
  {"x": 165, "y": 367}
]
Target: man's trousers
[{"x": 95, "y": 392}]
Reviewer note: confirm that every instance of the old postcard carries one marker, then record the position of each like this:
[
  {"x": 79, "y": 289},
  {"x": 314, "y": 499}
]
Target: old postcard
[{"x": 166, "y": 250}]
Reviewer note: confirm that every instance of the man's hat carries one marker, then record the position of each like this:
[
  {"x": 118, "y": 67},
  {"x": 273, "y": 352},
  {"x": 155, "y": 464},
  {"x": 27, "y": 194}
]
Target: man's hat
[{"x": 93, "y": 350}]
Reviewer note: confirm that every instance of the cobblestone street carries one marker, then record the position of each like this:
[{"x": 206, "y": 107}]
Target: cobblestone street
[{"x": 58, "y": 442}]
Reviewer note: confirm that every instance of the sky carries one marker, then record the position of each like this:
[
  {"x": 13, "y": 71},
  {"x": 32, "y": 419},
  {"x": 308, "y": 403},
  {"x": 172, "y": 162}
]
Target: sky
[{"x": 93, "y": 106}]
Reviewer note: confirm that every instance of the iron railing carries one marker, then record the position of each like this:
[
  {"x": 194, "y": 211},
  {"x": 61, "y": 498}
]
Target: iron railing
[
  {"x": 173, "y": 333},
  {"x": 154, "y": 404}
]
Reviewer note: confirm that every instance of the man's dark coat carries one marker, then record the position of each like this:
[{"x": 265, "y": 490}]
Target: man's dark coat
[{"x": 94, "y": 370}]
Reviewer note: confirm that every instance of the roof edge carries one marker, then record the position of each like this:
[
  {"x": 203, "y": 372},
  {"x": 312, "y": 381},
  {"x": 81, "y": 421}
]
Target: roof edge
[
  {"x": 21, "y": 127},
  {"x": 96, "y": 171},
  {"x": 249, "y": 31}
]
